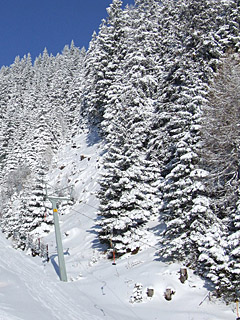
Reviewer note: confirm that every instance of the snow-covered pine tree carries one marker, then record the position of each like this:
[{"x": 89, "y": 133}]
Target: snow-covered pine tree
[
  {"x": 220, "y": 137},
  {"x": 129, "y": 192},
  {"x": 75, "y": 91},
  {"x": 228, "y": 34},
  {"x": 15, "y": 169},
  {"x": 5, "y": 94},
  {"x": 35, "y": 130},
  {"x": 189, "y": 222},
  {"x": 102, "y": 62},
  {"x": 218, "y": 260},
  {"x": 185, "y": 211},
  {"x": 220, "y": 154},
  {"x": 67, "y": 68}
]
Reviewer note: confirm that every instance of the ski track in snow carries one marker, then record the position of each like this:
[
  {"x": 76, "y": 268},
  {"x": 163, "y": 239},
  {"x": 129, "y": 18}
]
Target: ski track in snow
[{"x": 39, "y": 289}]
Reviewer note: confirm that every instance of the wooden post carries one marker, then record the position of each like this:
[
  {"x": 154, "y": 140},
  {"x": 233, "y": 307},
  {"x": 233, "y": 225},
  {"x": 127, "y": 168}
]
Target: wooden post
[
  {"x": 183, "y": 275},
  {"x": 237, "y": 307},
  {"x": 168, "y": 294},
  {"x": 114, "y": 263},
  {"x": 150, "y": 292},
  {"x": 47, "y": 255}
]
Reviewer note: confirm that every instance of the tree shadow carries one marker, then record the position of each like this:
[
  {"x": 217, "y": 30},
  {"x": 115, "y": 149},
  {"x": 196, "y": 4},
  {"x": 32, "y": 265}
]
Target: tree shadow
[
  {"x": 55, "y": 264},
  {"x": 96, "y": 244},
  {"x": 158, "y": 229},
  {"x": 93, "y": 136}
]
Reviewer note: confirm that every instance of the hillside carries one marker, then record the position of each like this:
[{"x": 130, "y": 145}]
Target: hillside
[
  {"x": 158, "y": 92},
  {"x": 30, "y": 287}
]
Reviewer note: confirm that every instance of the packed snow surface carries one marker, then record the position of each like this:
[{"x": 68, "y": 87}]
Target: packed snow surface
[{"x": 96, "y": 289}]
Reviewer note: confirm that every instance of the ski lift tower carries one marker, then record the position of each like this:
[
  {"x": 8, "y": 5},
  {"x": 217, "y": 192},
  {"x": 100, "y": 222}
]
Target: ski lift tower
[{"x": 61, "y": 262}]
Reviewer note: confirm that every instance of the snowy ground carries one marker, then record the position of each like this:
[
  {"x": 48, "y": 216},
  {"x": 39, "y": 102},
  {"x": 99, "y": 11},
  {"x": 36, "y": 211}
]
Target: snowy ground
[{"x": 96, "y": 289}]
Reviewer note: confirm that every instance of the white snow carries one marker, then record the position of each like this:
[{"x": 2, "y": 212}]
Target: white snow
[
  {"x": 30, "y": 288},
  {"x": 200, "y": 173}
]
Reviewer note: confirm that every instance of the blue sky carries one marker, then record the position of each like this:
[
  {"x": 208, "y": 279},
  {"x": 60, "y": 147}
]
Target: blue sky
[{"x": 28, "y": 26}]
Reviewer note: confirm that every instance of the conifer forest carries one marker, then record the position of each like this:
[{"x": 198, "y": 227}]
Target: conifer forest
[{"x": 160, "y": 83}]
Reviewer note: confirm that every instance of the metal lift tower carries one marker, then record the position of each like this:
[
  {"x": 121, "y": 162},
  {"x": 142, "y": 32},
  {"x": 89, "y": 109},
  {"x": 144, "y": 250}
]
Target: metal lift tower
[{"x": 61, "y": 262}]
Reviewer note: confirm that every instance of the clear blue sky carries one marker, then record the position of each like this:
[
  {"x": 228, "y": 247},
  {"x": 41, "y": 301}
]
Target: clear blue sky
[{"x": 28, "y": 26}]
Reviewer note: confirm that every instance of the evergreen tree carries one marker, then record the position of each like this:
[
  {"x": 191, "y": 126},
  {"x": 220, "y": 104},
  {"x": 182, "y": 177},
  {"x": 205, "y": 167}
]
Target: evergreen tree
[
  {"x": 220, "y": 153},
  {"x": 186, "y": 210},
  {"x": 36, "y": 121},
  {"x": 102, "y": 62},
  {"x": 129, "y": 192}
]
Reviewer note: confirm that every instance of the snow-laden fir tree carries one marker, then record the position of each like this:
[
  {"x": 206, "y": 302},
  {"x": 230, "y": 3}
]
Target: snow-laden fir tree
[
  {"x": 220, "y": 153},
  {"x": 186, "y": 210},
  {"x": 36, "y": 118},
  {"x": 129, "y": 194}
]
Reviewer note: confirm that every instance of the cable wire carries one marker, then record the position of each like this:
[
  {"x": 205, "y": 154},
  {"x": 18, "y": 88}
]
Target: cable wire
[
  {"x": 147, "y": 244},
  {"x": 83, "y": 214},
  {"x": 89, "y": 205}
]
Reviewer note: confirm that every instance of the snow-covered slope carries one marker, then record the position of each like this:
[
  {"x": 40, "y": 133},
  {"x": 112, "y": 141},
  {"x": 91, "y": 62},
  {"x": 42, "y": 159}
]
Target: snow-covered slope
[{"x": 96, "y": 289}]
